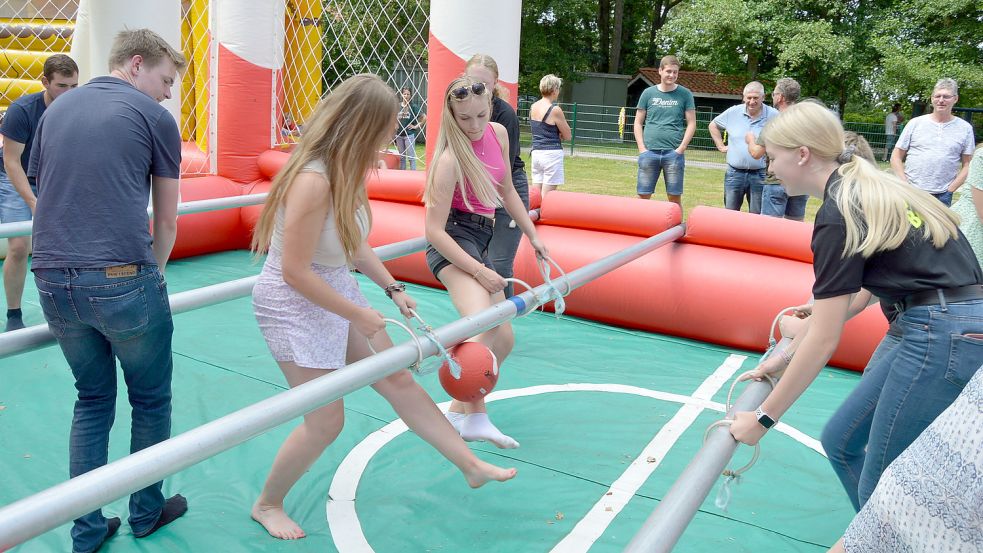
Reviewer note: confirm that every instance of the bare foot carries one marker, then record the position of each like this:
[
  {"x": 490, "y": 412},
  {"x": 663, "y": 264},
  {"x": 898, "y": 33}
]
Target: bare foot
[
  {"x": 276, "y": 522},
  {"x": 483, "y": 472}
]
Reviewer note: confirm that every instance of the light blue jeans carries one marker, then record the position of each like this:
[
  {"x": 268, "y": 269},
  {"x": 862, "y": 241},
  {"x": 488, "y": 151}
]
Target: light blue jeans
[
  {"x": 776, "y": 203},
  {"x": 740, "y": 184},
  {"x": 407, "y": 150},
  {"x": 908, "y": 382},
  {"x": 97, "y": 319}
]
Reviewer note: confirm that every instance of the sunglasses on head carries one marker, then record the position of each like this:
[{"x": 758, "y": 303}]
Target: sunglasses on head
[{"x": 463, "y": 92}]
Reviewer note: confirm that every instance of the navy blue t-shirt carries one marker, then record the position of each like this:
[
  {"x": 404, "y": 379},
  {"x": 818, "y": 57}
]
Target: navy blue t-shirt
[
  {"x": 20, "y": 122},
  {"x": 95, "y": 151}
]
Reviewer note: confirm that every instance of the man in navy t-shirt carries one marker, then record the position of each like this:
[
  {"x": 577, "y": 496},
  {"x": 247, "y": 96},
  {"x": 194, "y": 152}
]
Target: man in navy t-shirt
[
  {"x": 99, "y": 154},
  {"x": 17, "y": 197}
]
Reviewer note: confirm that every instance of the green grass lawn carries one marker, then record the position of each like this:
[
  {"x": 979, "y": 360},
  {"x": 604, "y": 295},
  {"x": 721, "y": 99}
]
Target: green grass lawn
[{"x": 616, "y": 177}]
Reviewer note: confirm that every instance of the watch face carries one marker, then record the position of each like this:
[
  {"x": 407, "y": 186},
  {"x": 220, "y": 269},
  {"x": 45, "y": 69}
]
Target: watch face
[{"x": 763, "y": 419}]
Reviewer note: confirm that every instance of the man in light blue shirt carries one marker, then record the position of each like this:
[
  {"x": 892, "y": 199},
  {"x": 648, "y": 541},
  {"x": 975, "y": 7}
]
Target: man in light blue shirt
[{"x": 745, "y": 176}]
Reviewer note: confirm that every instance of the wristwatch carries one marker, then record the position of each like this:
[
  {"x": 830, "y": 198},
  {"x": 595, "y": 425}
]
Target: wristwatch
[
  {"x": 763, "y": 418},
  {"x": 395, "y": 287}
]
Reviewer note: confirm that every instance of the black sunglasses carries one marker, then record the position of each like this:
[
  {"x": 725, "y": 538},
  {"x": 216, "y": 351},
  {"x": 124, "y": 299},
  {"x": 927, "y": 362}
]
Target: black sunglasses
[{"x": 463, "y": 92}]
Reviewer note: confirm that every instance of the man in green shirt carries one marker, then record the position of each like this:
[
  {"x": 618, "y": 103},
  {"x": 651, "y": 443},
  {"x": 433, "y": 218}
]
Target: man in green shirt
[{"x": 665, "y": 121}]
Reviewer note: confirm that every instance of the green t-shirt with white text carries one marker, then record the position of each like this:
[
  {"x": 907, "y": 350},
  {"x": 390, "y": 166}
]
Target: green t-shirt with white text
[{"x": 665, "y": 116}]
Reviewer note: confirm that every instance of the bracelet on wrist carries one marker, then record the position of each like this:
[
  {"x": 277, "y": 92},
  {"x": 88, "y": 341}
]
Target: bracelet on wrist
[
  {"x": 477, "y": 271},
  {"x": 393, "y": 288},
  {"x": 786, "y": 356}
]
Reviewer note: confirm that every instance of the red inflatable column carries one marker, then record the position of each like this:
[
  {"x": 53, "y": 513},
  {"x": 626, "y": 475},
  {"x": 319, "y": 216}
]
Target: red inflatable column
[
  {"x": 250, "y": 60},
  {"x": 459, "y": 30}
]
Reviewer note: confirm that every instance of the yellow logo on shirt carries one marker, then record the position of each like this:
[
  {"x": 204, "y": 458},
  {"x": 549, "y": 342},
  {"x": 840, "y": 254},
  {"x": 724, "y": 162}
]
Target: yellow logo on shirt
[{"x": 914, "y": 218}]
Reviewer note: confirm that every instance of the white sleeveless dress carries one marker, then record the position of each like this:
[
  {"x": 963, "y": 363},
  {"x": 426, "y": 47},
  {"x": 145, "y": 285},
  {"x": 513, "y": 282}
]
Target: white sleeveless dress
[{"x": 295, "y": 329}]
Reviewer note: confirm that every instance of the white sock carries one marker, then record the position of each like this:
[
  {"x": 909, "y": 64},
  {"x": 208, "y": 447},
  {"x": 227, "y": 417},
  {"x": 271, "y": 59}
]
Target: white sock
[
  {"x": 456, "y": 419},
  {"x": 477, "y": 427}
]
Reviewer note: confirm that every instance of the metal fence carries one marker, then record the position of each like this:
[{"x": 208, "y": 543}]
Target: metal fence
[{"x": 608, "y": 131}]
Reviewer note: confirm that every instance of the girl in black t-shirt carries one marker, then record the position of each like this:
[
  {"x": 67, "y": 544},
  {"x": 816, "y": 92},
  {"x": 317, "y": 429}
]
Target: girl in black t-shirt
[{"x": 875, "y": 232}]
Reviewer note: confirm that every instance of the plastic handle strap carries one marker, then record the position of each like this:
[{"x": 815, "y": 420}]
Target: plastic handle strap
[
  {"x": 731, "y": 477},
  {"x": 553, "y": 293},
  {"x": 442, "y": 352},
  {"x": 415, "y": 367}
]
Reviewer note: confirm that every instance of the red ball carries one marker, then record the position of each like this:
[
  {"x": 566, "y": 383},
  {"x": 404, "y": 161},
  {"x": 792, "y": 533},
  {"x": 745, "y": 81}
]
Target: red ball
[{"x": 479, "y": 372}]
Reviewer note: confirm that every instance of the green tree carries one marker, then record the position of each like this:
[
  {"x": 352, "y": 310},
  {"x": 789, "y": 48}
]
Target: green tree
[{"x": 922, "y": 41}]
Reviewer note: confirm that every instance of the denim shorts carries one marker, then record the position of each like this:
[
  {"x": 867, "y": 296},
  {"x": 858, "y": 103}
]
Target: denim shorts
[
  {"x": 667, "y": 162},
  {"x": 13, "y": 208},
  {"x": 472, "y": 232}
]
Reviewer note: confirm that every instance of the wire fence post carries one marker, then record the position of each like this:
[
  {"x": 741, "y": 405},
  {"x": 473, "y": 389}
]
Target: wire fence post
[{"x": 573, "y": 132}]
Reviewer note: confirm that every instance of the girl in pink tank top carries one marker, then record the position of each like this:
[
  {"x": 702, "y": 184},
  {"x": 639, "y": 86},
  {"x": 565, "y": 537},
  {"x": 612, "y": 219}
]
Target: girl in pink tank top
[
  {"x": 469, "y": 178},
  {"x": 313, "y": 316}
]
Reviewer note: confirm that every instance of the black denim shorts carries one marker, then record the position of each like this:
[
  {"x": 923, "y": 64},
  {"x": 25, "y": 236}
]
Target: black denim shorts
[{"x": 472, "y": 233}]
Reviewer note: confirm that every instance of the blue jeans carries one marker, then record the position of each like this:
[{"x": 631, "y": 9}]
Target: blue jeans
[
  {"x": 776, "y": 203},
  {"x": 908, "y": 382},
  {"x": 97, "y": 319},
  {"x": 740, "y": 184},
  {"x": 407, "y": 150},
  {"x": 944, "y": 197},
  {"x": 505, "y": 240},
  {"x": 668, "y": 162}
]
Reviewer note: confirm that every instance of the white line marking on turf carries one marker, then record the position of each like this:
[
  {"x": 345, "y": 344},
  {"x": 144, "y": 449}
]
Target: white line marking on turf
[
  {"x": 346, "y": 530},
  {"x": 595, "y": 522}
]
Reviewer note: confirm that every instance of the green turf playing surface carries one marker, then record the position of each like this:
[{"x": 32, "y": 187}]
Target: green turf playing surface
[{"x": 575, "y": 444}]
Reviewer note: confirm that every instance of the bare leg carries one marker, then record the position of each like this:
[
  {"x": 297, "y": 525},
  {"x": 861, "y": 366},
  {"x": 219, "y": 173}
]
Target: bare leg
[
  {"x": 418, "y": 411},
  {"x": 469, "y": 297},
  {"x": 676, "y": 199},
  {"x": 837, "y": 547},
  {"x": 15, "y": 270},
  {"x": 644, "y": 196},
  {"x": 299, "y": 451},
  {"x": 548, "y": 188}
]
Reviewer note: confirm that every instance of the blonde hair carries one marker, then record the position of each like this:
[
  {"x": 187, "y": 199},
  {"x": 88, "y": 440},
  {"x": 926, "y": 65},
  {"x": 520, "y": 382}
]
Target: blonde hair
[
  {"x": 488, "y": 62},
  {"x": 860, "y": 145},
  {"x": 146, "y": 44},
  {"x": 550, "y": 84},
  {"x": 344, "y": 133},
  {"x": 467, "y": 167},
  {"x": 875, "y": 204}
]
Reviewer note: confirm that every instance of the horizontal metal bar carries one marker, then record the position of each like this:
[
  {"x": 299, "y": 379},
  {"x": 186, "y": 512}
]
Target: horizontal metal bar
[
  {"x": 669, "y": 519},
  {"x": 32, "y": 337},
  {"x": 23, "y": 228},
  {"x": 36, "y": 514}
]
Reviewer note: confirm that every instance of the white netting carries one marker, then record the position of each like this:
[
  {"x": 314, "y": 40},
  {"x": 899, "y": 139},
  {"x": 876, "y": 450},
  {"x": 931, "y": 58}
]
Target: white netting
[
  {"x": 328, "y": 41},
  {"x": 325, "y": 42},
  {"x": 195, "y": 97}
]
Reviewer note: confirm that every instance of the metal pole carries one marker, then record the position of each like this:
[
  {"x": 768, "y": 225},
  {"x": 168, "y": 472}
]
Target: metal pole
[
  {"x": 25, "y": 339},
  {"x": 669, "y": 520},
  {"x": 36, "y": 514},
  {"x": 573, "y": 130},
  {"x": 23, "y": 228}
]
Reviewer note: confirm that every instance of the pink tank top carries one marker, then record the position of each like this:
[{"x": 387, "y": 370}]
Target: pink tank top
[{"x": 489, "y": 152}]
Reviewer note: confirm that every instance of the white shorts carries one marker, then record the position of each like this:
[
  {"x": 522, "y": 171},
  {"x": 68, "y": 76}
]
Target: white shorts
[{"x": 547, "y": 167}]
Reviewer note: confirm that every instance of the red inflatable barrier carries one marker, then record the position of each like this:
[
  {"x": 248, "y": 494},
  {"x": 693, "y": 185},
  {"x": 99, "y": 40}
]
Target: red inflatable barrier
[
  {"x": 735, "y": 230},
  {"x": 607, "y": 213},
  {"x": 212, "y": 231},
  {"x": 724, "y": 282}
]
